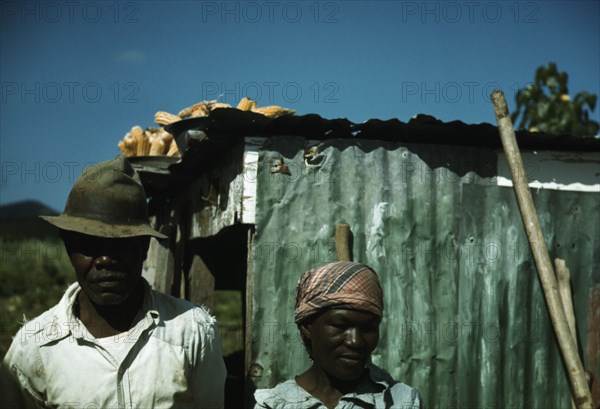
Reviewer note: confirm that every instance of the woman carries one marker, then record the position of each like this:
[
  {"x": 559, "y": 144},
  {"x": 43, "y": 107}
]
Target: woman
[{"x": 338, "y": 311}]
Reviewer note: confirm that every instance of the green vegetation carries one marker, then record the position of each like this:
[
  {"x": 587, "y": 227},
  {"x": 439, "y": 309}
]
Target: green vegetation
[
  {"x": 545, "y": 106},
  {"x": 228, "y": 311},
  {"x": 34, "y": 274}
]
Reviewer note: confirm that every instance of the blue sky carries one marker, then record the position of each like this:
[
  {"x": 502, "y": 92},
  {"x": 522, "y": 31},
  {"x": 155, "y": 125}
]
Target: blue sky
[{"x": 77, "y": 75}]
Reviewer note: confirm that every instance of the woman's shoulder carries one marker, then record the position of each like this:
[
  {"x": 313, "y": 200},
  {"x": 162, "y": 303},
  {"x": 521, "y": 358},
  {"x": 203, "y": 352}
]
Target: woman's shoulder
[
  {"x": 285, "y": 395},
  {"x": 402, "y": 395}
]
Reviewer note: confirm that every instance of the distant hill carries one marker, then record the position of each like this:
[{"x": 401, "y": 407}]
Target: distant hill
[
  {"x": 26, "y": 208},
  {"x": 20, "y": 220}
]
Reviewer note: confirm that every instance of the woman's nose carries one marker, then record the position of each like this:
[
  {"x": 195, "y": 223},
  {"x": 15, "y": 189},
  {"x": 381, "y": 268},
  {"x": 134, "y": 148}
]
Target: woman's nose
[{"x": 354, "y": 338}]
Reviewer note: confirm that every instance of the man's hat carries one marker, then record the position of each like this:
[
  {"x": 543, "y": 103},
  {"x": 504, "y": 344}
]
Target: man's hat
[{"x": 107, "y": 200}]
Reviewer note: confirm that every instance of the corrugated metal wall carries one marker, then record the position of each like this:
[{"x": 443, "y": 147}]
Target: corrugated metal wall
[{"x": 465, "y": 320}]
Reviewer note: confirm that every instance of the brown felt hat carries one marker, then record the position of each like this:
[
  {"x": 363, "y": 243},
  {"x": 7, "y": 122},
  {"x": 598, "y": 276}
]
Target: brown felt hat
[{"x": 107, "y": 200}]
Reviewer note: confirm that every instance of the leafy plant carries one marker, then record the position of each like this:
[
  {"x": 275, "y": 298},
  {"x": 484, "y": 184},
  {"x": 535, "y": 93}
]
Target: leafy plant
[
  {"x": 546, "y": 106},
  {"x": 34, "y": 274}
]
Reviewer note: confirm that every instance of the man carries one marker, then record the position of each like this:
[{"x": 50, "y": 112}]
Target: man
[{"x": 111, "y": 341}]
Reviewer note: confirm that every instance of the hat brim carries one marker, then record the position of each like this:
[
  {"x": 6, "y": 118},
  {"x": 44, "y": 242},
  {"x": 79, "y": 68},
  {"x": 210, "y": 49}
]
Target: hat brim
[{"x": 101, "y": 229}]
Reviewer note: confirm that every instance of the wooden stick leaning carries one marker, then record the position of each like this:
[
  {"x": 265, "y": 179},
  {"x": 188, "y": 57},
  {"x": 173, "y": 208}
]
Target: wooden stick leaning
[
  {"x": 563, "y": 280},
  {"x": 567, "y": 344}
]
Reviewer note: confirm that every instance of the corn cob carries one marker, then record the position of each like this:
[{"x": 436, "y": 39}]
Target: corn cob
[
  {"x": 151, "y": 135},
  {"x": 124, "y": 150},
  {"x": 165, "y": 118},
  {"x": 158, "y": 147},
  {"x": 136, "y": 131},
  {"x": 143, "y": 146},
  {"x": 185, "y": 112},
  {"x": 167, "y": 146},
  {"x": 130, "y": 144},
  {"x": 246, "y": 104},
  {"x": 167, "y": 137},
  {"x": 273, "y": 111},
  {"x": 215, "y": 105},
  {"x": 199, "y": 109},
  {"x": 173, "y": 150}
]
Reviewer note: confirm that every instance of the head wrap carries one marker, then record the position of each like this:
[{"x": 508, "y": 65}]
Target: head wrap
[{"x": 342, "y": 284}]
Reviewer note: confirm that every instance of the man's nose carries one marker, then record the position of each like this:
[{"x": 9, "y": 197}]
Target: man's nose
[{"x": 104, "y": 261}]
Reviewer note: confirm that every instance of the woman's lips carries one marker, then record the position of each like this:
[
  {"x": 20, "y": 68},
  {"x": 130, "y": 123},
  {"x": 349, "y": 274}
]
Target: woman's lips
[{"x": 352, "y": 359}]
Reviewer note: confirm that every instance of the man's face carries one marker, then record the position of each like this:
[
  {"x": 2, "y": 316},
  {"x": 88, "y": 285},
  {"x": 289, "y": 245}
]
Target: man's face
[
  {"x": 107, "y": 269},
  {"x": 342, "y": 341}
]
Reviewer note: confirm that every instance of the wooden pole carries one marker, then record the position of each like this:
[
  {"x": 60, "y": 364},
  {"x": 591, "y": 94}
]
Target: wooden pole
[
  {"x": 563, "y": 280},
  {"x": 342, "y": 242},
  {"x": 567, "y": 345}
]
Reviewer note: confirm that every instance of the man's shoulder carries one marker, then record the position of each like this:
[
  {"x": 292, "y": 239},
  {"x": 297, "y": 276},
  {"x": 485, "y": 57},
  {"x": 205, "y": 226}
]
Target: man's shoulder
[
  {"x": 44, "y": 328},
  {"x": 181, "y": 315},
  {"x": 24, "y": 351},
  {"x": 179, "y": 307}
]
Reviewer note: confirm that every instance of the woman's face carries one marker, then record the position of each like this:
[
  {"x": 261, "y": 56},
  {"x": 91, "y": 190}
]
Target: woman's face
[{"x": 342, "y": 341}]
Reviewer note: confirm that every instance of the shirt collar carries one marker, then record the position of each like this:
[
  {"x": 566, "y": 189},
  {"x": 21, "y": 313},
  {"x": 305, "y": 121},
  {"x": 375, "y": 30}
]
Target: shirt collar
[
  {"x": 290, "y": 392},
  {"x": 377, "y": 375},
  {"x": 65, "y": 322}
]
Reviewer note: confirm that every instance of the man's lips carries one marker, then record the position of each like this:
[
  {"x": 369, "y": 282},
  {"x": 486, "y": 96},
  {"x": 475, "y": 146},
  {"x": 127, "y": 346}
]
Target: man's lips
[
  {"x": 107, "y": 277},
  {"x": 110, "y": 281}
]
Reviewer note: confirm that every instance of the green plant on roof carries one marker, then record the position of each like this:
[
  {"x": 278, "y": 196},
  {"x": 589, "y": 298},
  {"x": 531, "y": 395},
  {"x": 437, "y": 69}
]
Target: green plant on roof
[{"x": 545, "y": 106}]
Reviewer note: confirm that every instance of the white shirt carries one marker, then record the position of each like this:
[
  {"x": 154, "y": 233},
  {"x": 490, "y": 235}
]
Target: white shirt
[{"x": 170, "y": 358}]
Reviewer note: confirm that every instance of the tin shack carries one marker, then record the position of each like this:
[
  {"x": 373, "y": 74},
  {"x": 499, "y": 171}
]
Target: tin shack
[{"x": 255, "y": 201}]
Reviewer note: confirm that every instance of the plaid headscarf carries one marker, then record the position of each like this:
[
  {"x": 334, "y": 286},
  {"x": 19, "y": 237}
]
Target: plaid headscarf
[{"x": 342, "y": 284}]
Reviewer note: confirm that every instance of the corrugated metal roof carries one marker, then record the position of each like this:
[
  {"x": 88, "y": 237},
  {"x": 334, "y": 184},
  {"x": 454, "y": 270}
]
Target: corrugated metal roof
[
  {"x": 465, "y": 320},
  {"x": 223, "y": 125}
]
